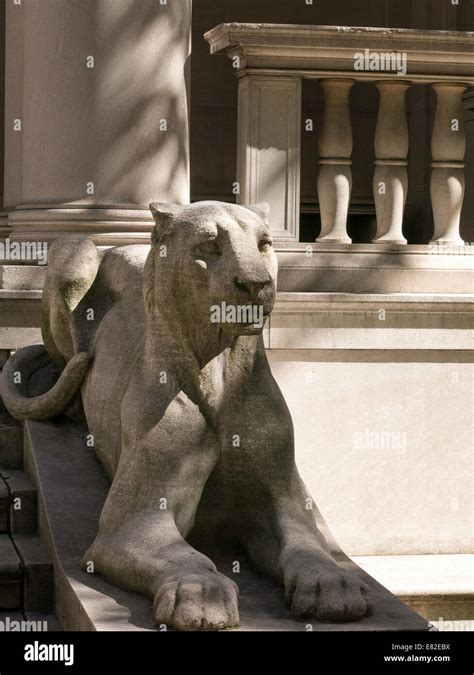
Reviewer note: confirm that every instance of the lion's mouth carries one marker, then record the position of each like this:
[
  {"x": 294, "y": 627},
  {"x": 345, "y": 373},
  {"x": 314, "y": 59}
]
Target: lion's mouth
[
  {"x": 245, "y": 316},
  {"x": 263, "y": 316}
]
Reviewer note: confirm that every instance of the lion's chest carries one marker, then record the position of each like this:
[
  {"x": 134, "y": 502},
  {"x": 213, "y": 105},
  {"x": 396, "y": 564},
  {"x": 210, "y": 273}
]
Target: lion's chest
[{"x": 224, "y": 381}]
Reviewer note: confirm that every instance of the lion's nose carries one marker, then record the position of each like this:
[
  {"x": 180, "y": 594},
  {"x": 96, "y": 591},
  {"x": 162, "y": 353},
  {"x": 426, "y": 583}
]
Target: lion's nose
[{"x": 253, "y": 288}]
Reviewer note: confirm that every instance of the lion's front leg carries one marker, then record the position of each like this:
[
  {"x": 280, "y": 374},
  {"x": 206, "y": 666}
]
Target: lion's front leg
[
  {"x": 315, "y": 585},
  {"x": 277, "y": 525},
  {"x": 148, "y": 513},
  {"x": 149, "y": 555}
]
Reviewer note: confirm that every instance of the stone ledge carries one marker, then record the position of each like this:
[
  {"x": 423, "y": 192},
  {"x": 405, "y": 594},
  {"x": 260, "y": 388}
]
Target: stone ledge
[
  {"x": 310, "y": 302},
  {"x": 429, "y": 251},
  {"x": 440, "y": 587},
  {"x": 353, "y": 321},
  {"x": 313, "y": 321},
  {"x": 22, "y": 277},
  {"x": 13, "y": 337},
  {"x": 20, "y": 294},
  {"x": 107, "y": 226},
  {"x": 19, "y": 318},
  {"x": 368, "y": 268},
  {"x": 340, "y": 268}
]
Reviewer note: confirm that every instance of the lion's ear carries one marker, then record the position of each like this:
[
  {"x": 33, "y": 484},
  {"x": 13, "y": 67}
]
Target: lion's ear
[
  {"x": 262, "y": 210},
  {"x": 164, "y": 216},
  {"x": 162, "y": 212}
]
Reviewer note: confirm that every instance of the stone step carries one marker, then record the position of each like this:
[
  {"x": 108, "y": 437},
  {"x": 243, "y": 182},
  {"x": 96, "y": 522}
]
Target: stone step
[
  {"x": 10, "y": 575},
  {"x": 31, "y": 622},
  {"x": 439, "y": 587},
  {"x": 11, "y": 443},
  {"x": 4, "y": 507},
  {"x": 37, "y": 578},
  {"x": 20, "y": 318},
  {"x": 44, "y": 620},
  {"x": 26, "y": 574},
  {"x": 21, "y": 504},
  {"x": 22, "y": 277}
]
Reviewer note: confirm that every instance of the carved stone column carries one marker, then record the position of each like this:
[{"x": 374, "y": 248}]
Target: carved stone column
[
  {"x": 391, "y": 152},
  {"x": 335, "y": 149},
  {"x": 448, "y": 147},
  {"x": 104, "y": 116}
]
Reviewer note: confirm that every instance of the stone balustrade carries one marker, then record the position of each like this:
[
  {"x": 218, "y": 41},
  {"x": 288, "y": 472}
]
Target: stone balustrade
[{"x": 271, "y": 60}]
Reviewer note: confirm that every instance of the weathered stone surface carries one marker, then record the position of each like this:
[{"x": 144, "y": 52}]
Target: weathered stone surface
[{"x": 203, "y": 445}]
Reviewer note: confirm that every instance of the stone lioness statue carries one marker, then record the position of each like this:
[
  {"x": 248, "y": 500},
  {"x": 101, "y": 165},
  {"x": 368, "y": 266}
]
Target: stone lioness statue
[{"x": 166, "y": 392}]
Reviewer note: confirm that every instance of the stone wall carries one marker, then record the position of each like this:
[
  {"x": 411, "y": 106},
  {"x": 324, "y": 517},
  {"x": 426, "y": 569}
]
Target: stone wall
[{"x": 384, "y": 444}]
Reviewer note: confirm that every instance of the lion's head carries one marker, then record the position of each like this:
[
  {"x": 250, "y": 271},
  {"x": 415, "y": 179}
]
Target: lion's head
[{"x": 214, "y": 262}]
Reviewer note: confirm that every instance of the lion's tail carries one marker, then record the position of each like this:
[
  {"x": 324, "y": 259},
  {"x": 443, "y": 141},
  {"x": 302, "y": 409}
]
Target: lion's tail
[{"x": 16, "y": 373}]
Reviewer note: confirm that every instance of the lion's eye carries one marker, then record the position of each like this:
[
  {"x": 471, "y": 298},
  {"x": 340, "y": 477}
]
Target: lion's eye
[
  {"x": 264, "y": 245},
  {"x": 210, "y": 247}
]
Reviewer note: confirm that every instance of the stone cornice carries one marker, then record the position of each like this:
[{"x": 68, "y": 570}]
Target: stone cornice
[{"x": 318, "y": 51}]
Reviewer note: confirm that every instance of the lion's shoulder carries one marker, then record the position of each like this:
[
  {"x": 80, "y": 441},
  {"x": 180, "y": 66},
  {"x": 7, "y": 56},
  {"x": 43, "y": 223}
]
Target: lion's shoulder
[{"x": 121, "y": 270}]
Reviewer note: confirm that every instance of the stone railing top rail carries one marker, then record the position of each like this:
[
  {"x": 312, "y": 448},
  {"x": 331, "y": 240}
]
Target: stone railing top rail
[{"x": 319, "y": 51}]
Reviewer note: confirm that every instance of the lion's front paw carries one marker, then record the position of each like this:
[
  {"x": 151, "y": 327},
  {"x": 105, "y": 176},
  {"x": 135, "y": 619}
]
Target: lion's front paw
[
  {"x": 197, "y": 602},
  {"x": 329, "y": 595}
]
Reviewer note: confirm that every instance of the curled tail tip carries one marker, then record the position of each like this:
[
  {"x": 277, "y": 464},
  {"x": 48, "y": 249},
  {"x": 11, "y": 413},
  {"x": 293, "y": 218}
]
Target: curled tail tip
[{"x": 55, "y": 400}]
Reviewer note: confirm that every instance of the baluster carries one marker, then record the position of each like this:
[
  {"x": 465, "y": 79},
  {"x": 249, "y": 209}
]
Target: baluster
[
  {"x": 448, "y": 147},
  {"x": 335, "y": 149},
  {"x": 391, "y": 152}
]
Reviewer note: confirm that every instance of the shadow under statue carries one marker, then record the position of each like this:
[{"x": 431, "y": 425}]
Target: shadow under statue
[{"x": 185, "y": 417}]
